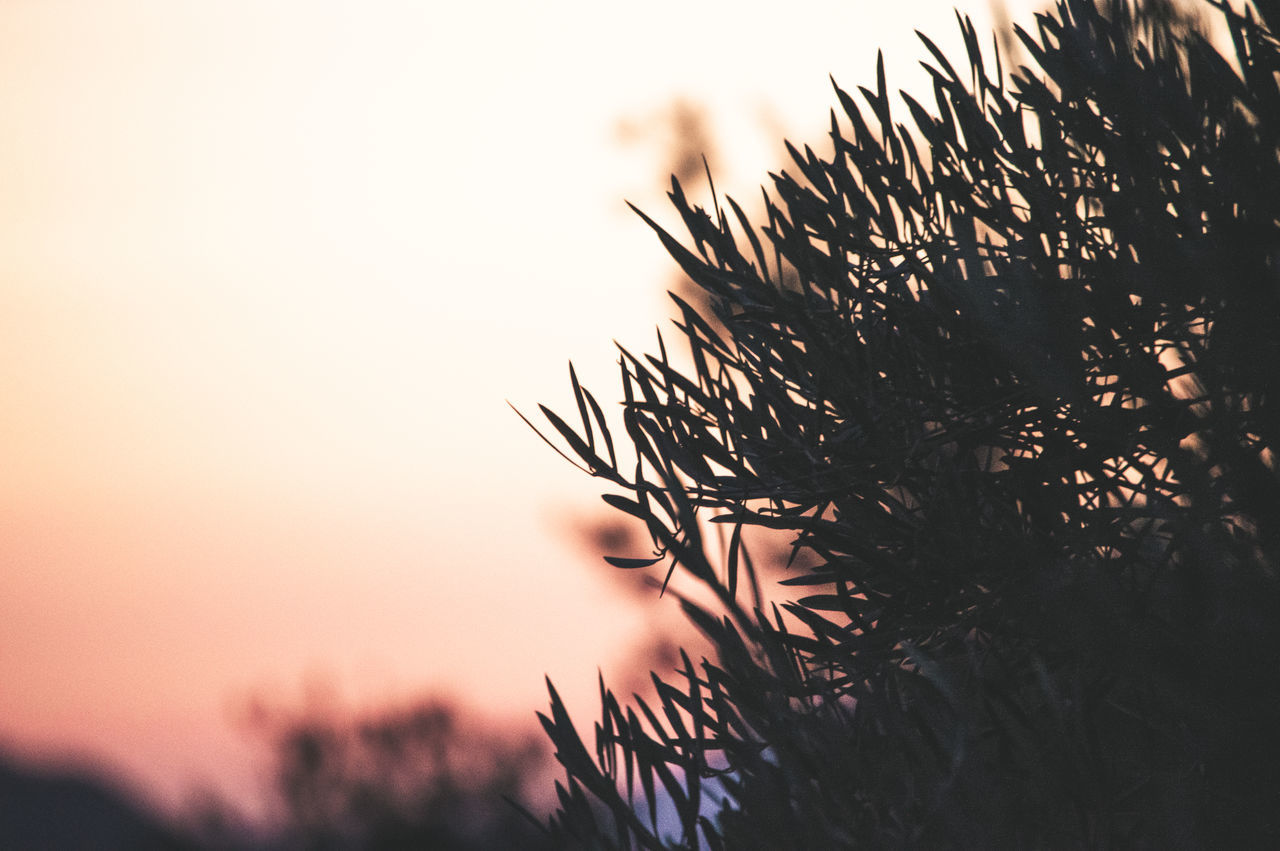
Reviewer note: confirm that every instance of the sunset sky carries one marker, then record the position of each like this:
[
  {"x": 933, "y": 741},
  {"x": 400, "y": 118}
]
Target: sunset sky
[{"x": 270, "y": 271}]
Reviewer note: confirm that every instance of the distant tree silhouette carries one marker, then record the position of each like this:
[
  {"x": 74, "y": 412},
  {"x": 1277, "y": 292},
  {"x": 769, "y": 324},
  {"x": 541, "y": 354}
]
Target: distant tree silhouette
[
  {"x": 413, "y": 777},
  {"x": 1018, "y": 409},
  {"x": 41, "y": 808}
]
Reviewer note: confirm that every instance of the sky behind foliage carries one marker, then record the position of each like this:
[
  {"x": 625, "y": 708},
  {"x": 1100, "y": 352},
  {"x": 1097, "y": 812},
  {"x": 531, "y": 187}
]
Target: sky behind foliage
[{"x": 270, "y": 270}]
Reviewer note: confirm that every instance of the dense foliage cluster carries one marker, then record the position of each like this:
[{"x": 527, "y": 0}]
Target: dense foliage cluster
[{"x": 1016, "y": 403}]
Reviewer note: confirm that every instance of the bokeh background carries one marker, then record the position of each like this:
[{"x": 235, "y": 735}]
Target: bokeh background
[{"x": 270, "y": 271}]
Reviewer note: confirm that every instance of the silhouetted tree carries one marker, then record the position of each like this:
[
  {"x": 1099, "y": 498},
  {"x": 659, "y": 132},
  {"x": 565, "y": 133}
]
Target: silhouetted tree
[
  {"x": 1018, "y": 412},
  {"x": 414, "y": 777},
  {"x": 41, "y": 808}
]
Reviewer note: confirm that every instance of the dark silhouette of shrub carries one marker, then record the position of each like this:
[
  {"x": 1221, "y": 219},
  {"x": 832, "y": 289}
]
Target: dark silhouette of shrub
[
  {"x": 1016, "y": 409},
  {"x": 42, "y": 808}
]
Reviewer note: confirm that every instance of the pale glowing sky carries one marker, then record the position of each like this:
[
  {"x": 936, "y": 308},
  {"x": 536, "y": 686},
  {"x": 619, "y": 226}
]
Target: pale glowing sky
[{"x": 269, "y": 270}]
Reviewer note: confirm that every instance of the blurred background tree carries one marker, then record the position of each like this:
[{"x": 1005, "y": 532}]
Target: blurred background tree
[
  {"x": 1016, "y": 411},
  {"x": 61, "y": 808},
  {"x": 420, "y": 775}
]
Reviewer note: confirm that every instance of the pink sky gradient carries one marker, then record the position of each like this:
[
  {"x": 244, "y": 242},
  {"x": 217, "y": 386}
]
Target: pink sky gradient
[{"x": 270, "y": 270}]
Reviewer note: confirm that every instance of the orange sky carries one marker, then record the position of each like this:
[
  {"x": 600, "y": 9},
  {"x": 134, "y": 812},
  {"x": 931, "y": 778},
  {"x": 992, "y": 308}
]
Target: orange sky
[{"x": 269, "y": 271}]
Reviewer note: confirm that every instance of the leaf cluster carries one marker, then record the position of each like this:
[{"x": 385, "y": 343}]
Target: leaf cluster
[{"x": 1017, "y": 409}]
